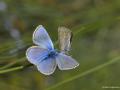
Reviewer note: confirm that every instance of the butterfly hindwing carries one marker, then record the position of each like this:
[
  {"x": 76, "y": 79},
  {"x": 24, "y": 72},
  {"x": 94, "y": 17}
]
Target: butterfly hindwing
[
  {"x": 41, "y": 38},
  {"x": 65, "y": 62},
  {"x": 47, "y": 66}
]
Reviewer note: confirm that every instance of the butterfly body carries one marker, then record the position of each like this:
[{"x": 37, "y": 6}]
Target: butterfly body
[
  {"x": 51, "y": 54},
  {"x": 45, "y": 57}
]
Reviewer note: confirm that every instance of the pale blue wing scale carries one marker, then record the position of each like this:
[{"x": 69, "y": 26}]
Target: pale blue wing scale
[
  {"x": 41, "y": 38},
  {"x": 47, "y": 66},
  {"x": 35, "y": 54},
  {"x": 65, "y": 62}
]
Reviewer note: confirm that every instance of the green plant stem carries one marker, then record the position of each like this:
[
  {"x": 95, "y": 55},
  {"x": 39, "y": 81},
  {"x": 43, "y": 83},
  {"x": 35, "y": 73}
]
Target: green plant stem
[
  {"x": 11, "y": 69},
  {"x": 13, "y": 63},
  {"x": 85, "y": 73}
]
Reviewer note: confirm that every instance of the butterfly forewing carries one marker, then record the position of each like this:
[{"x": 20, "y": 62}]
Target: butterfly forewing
[
  {"x": 42, "y": 39},
  {"x": 36, "y": 54},
  {"x": 65, "y": 37}
]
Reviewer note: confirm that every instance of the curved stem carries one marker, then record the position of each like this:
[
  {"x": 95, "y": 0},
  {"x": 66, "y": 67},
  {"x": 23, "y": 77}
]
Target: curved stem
[
  {"x": 11, "y": 69},
  {"x": 12, "y": 63}
]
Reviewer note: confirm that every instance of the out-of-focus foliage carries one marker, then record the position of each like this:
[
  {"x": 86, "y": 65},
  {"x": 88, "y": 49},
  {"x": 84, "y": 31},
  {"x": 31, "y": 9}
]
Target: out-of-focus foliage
[{"x": 96, "y": 28}]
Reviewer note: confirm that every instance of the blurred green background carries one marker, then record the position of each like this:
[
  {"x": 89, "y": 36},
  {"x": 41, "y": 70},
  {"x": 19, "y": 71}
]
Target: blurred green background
[{"x": 96, "y": 43}]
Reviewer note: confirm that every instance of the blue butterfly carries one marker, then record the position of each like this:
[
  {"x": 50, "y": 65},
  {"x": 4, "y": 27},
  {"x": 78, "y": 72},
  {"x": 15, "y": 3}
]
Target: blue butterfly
[{"x": 45, "y": 57}]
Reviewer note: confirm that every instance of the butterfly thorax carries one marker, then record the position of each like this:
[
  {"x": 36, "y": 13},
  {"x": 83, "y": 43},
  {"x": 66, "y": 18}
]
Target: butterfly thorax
[{"x": 52, "y": 53}]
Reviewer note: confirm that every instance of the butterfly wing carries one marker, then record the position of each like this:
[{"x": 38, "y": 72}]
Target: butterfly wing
[
  {"x": 65, "y": 37},
  {"x": 47, "y": 66},
  {"x": 41, "y": 38},
  {"x": 36, "y": 54},
  {"x": 65, "y": 62}
]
